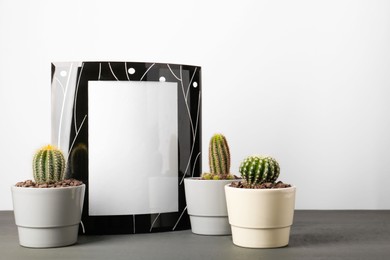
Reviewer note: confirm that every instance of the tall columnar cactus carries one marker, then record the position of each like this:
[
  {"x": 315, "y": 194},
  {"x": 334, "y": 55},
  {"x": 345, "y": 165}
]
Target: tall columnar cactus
[
  {"x": 219, "y": 155},
  {"x": 259, "y": 169},
  {"x": 48, "y": 165},
  {"x": 219, "y": 158}
]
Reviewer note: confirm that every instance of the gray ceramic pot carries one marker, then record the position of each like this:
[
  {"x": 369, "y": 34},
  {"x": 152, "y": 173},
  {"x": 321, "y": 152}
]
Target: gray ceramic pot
[
  {"x": 48, "y": 217},
  {"x": 206, "y": 206}
]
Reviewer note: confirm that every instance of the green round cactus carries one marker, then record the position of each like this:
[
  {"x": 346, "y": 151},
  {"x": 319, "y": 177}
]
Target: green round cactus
[
  {"x": 259, "y": 169},
  {"x": 219, "y": 159},
  {"x": 48, "y": 165}
]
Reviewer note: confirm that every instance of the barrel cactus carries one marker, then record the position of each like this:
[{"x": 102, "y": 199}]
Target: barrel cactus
[
  {"x": 259, "y": 169},
  {"x": 48, "y": 165},
  {"x": 219, "y": 159}
]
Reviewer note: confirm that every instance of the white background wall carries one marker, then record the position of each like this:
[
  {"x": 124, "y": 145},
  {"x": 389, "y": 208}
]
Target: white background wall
[{"x": 305, "y": 81}]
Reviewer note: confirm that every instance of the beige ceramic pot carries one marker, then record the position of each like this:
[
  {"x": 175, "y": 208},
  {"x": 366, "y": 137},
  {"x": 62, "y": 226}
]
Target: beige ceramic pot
[
  {"x": 48, "y": 217},
  {"x": 260, "y": 218}
]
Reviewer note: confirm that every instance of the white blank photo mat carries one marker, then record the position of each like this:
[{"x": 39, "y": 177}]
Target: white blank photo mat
[{"x": 133, "y": 147}]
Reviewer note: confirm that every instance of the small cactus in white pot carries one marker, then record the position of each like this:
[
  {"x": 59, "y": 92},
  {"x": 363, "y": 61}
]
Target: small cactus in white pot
[
  {"x": 48, "y": 210},
  {"x": 219, "y": 159},
  {"x": 260, "y": 209},
  {"x": 48, "y": 165},
  {"x": 205, "y": 196}
]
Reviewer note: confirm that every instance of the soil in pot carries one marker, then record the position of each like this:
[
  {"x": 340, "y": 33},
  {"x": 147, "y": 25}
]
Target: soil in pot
[
  {"x": 266, "y": 185},
  {"x": 58, "y": 184}
]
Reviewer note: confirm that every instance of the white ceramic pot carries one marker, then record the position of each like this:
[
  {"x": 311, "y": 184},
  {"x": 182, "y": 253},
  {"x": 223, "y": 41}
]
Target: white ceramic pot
[
  {"x": 48, "y": 217},
  {"x": 260, "y": 218},
  {"x": 206, "y": 206}
]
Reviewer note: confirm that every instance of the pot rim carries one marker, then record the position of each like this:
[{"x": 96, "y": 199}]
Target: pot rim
[
  {"x": 292, "y": 188},
  {"x": 199, "y": 179}
]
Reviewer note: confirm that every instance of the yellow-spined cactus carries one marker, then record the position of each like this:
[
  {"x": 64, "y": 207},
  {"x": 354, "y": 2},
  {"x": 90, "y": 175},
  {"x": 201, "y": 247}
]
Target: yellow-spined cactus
[{"x": 48, "y": 165}]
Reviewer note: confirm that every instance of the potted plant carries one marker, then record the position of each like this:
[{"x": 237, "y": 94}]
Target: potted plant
[
  {"x": 205, "y": 196},
  {"x": 260, "y": 210},
  {"x": 48, "y": 211}
]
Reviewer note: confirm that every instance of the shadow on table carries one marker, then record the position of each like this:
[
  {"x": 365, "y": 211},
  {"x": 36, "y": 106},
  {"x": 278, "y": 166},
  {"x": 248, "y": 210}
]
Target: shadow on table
[
  {"x": 317, "y": 239},
  {"x": 84, "y": 240}
]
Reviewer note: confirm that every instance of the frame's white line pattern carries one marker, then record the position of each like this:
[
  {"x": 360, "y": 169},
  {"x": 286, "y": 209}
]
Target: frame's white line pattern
[
  {"x": 189, "y": 160},
  {"x": 75, "y": 98},
  {"x": 82, "y": 226},
  {"x": 188, "y": 163},
  {"x": 147, "y": 71},
  {"x": 193, "y": 140},
  {"x": 127, "y": 73},
  {"x": 59, "y": 82},
  {"x": 185, "y": 101},
  {"x": 193, "y": 167},
  {"x": 197, "y": 113},
  {"x": 172, "y": 72},
  {"x": 100, "y": 70},
  {"x": 133, "y": 224},
  {"x": 189, "y": 85},
  {"x": 75, "y": 137},
  {"x": 63, "y": 105},
  {"x": 109, "y": 65},
  {"x": 181, "y": 215},
  {"x": 154, "y": 221}
]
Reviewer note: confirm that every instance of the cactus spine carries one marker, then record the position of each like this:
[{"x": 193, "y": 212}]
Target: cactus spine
[
  {"x": 219, "y": 159},
  {"x": 48, "y": 165},
  {"x": 259, "y": 169}
]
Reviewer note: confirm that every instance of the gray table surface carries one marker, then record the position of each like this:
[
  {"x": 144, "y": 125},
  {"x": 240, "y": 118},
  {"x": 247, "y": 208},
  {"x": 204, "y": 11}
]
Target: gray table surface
[{"x": 314, "y": 235}]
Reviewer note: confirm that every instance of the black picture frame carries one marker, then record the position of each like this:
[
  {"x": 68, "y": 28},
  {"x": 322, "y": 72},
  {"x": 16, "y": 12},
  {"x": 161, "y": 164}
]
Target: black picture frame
[{"x": 69, "y": 85}]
